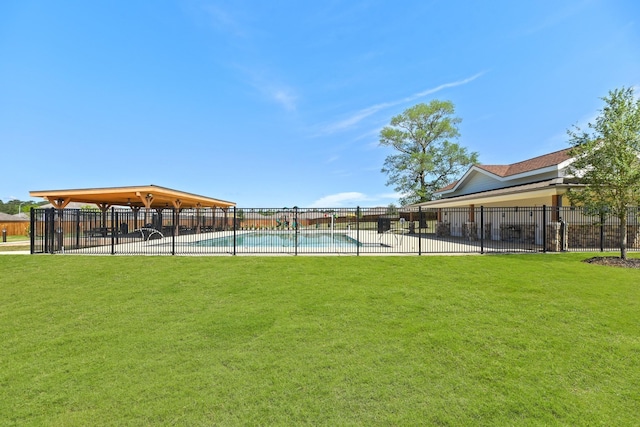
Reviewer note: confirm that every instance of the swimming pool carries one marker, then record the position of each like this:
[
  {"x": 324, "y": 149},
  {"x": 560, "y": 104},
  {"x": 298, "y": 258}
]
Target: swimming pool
[{"x": 281, "y": 239}]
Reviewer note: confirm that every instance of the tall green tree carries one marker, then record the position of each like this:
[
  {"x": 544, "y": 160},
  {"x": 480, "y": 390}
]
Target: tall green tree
[
  {"x": 607, "y": 160},
  {"x": 16, "y": 206},
  {"x": 426, "y": 155}
]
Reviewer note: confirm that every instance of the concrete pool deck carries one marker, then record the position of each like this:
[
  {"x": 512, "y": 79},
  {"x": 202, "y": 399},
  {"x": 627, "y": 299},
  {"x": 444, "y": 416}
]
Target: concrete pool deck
[{"x": 371, "y": 243}]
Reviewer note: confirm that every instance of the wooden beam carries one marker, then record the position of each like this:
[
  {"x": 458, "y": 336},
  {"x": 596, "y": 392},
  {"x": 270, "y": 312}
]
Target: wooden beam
[
  {"x": 103, "y": 206},
  {"x": 146, "y": 199},
  {"x": 59, "y": 203}
]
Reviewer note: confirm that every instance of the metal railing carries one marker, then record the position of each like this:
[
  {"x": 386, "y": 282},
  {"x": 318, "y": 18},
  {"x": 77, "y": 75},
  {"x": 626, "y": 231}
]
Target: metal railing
[{"x": 344, "y": 231}]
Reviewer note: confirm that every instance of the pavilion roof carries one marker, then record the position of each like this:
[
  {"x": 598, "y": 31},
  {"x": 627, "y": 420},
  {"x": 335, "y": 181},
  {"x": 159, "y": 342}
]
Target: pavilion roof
[{"x": 149, "y": 196}]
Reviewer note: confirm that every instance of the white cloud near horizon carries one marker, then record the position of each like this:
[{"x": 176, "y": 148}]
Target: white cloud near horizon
[
  {"x": 340, "y": 200},
  {"x": 360, "y": 115},
  {"x": 390, "y": 196},
  {"x": 353, "y": 199}
]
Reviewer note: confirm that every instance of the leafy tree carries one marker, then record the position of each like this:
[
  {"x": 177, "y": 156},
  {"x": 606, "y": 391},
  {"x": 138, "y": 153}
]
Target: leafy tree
[
  {"x": 426, "y": 157},
  {"x": 607, "y": 160},
  {"x": 15, "y": 206},
  {"x": 392, "y": 210}
]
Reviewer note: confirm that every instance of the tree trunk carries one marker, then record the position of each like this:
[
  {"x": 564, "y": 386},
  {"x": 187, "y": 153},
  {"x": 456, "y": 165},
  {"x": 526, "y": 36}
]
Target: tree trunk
[{"x": 623, "y": 236}]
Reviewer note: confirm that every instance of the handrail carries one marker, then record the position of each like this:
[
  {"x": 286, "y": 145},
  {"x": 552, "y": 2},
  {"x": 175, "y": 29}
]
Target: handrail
[
  {"x": 151, "y": 231},
  {"x": 397, "y": 233}
]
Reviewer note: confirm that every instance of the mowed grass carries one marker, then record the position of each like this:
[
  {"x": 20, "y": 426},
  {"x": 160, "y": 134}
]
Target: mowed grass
[
  {"x": 476, "y": 340},
  {"x": 12, "y": 244}
]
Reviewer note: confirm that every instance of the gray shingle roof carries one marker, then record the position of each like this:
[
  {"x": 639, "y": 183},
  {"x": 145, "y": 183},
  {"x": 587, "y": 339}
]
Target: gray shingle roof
[{"x": 5, "y": 217}]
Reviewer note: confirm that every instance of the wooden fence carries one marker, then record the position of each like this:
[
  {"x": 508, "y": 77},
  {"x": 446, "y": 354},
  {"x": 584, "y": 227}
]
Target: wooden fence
[{"x": 15, "y": 228}]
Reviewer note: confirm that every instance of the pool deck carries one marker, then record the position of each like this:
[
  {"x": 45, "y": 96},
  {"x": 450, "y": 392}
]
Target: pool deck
[{"x": 371, "y": 243}]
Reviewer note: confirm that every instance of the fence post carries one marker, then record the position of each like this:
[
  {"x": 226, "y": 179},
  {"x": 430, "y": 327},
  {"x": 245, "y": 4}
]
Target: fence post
[
  {"x": 602, "y": 233},
  {"x": 234, "y": 230},
  {"x": 563, "y": 234},
  {"x": 358, "y": 230},
  {"x": 78, "y": 229},
  {"x": 113, "y": 237},
  {"x": 482, "y": 229},
  {"x": 46, "y": 231},
  {"x": 295, "y": 229},
  {"x": 544, "y": 229},
  {"x": 174, "y": 226},
  {"x": 32, "y": 228},
  {"x": 115, "y": 227},
  {"x": 52, "y": 231},
  {"x": 419, "y": 230}
]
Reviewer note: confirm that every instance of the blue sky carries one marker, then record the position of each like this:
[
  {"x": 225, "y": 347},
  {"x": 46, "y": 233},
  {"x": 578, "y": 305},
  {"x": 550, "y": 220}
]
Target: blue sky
[{"x": 280, "y": 103}]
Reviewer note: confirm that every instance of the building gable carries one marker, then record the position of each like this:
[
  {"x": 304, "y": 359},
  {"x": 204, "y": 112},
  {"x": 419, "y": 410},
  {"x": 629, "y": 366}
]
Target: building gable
[{"x": 480, "y": 178}]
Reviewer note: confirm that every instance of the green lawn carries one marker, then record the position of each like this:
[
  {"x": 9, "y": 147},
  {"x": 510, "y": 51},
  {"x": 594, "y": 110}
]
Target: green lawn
[
  {"x": 475, "y": 340},
  {"x": 11, "y": 244},
  {"x": 16, "y": 238}
]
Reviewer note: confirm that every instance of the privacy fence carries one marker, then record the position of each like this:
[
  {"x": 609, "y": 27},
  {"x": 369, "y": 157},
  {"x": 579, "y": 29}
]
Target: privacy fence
[{"x": 343, "y": 231}]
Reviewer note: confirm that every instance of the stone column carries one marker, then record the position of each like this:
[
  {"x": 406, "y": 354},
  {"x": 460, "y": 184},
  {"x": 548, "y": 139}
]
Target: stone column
[
  {"x": 487, "y": 231},
  {"x": 470, "y": 230},
  {"x": 443, "y": 229},
  {"x": 555, "y": 238}
]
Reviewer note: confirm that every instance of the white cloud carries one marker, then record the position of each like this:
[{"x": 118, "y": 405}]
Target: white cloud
[
  {"x": 340, "y": 200},
  {"x": 356, "y": 118},
  {"x": 439, "y": 88},
  {"x": 360, "y": 115},
  {"x": 269, "y": 85},
  {"x": 284, "y": 97},
  {"x": 557, "y": 16},
  {"x": 390, "y": 196},
  {"x": 332, "y": 159},
  {"x": 257, "y": 74},
  {"x": 224, "y": 21},
  {"x": 354, "y": 198}
]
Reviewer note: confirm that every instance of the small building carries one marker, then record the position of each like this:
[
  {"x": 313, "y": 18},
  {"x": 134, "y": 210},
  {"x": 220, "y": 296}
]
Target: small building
[
  {"x": 532, "y": 182},
  {"x": 523, "y": 201}
]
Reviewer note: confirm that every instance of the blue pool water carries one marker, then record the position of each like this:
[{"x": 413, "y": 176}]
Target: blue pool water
[{"x": 262, "y": 239}]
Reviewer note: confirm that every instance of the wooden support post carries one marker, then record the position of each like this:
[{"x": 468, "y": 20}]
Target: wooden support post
[
  {"x": 176, "y": 222},
  {"x": 136, "y": 211},
  {"x": 556, "y": 204},
  {"x": 198, "y": 207}
]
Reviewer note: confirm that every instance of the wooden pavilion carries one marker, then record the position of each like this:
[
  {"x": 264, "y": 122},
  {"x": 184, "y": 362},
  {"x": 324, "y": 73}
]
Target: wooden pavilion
[
  {"x": 135, "y": 197},
  {"x": 148, "y": 196}
]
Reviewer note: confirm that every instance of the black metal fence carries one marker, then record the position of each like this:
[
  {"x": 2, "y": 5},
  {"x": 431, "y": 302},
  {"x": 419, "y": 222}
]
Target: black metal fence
[{"x": 348, "y": 231}]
